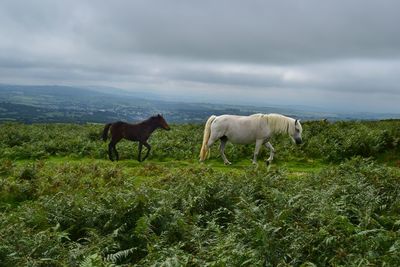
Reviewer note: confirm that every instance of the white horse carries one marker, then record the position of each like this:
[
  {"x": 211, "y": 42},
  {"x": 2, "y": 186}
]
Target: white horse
[{"x": 256, "y": 128}]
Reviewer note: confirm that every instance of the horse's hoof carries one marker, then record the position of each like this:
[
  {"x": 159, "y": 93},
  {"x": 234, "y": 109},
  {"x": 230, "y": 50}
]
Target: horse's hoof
[
  {"x": 267, "y": 162},
  {"x": 227, "y": 163}
]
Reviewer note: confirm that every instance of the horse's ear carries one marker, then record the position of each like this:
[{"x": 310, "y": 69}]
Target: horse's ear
[
  {"x": 295, "y": 123},
  {"x": 159, "y": 115}
]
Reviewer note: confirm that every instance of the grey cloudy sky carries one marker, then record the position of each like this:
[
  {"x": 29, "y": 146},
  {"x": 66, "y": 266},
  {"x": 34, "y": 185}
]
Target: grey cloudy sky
[{"x": 338, "y": 54}]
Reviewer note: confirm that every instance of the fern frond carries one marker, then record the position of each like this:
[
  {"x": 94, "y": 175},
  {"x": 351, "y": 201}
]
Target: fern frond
[{"x": 120, "y": 255}]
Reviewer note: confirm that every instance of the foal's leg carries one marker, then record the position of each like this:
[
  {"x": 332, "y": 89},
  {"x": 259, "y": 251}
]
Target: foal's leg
[
  {"x": 272, "y": 152},
  {"x": 148, "y": 149},
  {"x": 140, "y": 152},
  {"x": 110, "y": 149},
  {"x": 224, "y": 139},
  {"x": 259, "y": 143},
  {"x": 116, "y": 152}
]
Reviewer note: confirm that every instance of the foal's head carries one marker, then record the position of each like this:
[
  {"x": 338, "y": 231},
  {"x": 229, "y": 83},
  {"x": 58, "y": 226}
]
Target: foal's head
[{"x": 160, "y": 122}]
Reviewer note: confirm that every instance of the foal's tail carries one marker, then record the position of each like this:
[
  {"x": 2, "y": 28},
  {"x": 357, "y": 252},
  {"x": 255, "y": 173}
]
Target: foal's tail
[
  {"x": 105, "y": 131},
  {"x": 204, "y": 152}
]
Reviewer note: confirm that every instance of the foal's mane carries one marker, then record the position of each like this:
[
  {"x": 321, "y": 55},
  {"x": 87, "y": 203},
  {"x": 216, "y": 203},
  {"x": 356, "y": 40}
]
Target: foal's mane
[
  {"x": 279, "y": 123},
  {"x": 149, "y": 120}
]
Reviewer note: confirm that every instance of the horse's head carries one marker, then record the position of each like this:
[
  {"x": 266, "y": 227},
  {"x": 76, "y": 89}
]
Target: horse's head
[
  {"x": 162, "y": 123},
  {"x": 296, "y": 135}
]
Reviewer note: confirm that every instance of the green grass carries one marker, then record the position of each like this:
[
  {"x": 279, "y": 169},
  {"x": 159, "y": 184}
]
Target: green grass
[
  {"x": 334, "y": 201},
  {"x": 308, "y": 166},
  {"x": 76, "y": 211},
  {"x": 389, "y": 158}
]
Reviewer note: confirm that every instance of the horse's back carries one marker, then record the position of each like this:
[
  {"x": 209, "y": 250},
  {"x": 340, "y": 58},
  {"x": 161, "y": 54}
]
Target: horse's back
[
  {"x": 121, "y": 128},
  {"x": 238, "y": 129},
  {"x": 118, "y": 125},
  {"x": 237, "y": 120}
]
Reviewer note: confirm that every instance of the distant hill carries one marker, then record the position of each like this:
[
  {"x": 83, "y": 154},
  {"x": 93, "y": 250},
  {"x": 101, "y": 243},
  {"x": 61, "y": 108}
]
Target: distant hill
[{"x": 32, "y": 104}]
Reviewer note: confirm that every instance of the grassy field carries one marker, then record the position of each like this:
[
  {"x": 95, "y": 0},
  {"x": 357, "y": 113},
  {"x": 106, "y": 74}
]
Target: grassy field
[{"x": 333, "y": 201}]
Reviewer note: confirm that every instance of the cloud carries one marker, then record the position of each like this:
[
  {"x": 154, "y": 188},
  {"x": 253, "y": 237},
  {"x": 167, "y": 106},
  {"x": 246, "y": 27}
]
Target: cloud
[{"x": 298, "y": 52}]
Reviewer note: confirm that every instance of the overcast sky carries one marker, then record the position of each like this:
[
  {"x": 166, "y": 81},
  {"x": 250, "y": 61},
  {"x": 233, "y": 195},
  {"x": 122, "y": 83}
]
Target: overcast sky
[{"x": 342, "y": 55}]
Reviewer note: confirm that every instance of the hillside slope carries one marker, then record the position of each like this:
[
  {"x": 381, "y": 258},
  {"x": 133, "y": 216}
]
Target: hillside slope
[{"x": 335, "y": 200}]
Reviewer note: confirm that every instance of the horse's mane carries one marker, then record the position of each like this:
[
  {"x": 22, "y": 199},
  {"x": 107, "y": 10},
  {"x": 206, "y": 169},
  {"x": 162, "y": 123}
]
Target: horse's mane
[
  {"x": 148, "y": 120},
  {"x": 279, "y": 123}
]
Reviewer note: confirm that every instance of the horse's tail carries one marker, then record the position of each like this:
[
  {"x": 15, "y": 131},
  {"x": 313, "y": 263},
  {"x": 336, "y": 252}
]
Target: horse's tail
[
  {"x": 204, "y": 152},
  {"x": 105, "y": 131}
]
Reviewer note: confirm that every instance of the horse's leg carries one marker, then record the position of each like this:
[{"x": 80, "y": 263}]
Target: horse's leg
[
  {"x": 148, "y": 149},
  {"x": 116, "y": 152},
  {"x": 140, "y": 152},
  {"x": 110, "y": 149},
  {"x": 272, "y": 152},
  {"x": 224, "y": 140},
  {"x": 259, "y": 143},
  {"x": 213, "y": 138}
]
